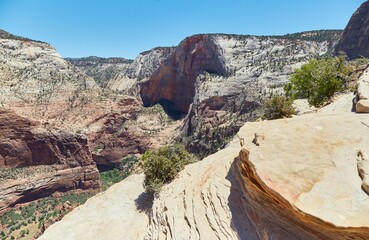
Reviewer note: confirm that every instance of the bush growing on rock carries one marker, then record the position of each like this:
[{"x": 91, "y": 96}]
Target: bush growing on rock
[
  {"x": 162, "y": 165},
  {"x": 318, "y": 80},
  {"x": 278, "y": 107}
]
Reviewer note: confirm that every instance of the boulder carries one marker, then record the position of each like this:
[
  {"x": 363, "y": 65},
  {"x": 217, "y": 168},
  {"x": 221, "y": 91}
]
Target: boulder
[{"x": 362, "y": 106}]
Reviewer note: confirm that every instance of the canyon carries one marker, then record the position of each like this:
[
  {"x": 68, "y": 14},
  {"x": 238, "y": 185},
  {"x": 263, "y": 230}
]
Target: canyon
[{"x": 63, "y": 120}]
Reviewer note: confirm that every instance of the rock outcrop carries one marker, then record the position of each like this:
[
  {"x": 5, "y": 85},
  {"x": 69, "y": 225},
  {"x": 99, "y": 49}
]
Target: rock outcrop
[
  {"x": 355, "y": 38},
  {"x": 36, "y": 162},
  {"x": 289, "y": 186},
  {"x": 362, "y": 93}
]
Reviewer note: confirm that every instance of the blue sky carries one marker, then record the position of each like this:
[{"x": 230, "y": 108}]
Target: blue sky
[{"x": 127, "y": 27}]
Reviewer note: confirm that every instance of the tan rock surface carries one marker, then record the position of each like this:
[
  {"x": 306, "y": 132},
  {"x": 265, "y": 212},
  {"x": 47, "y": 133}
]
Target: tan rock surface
[
  {"x": 362, "y": 106},
  {"x": 108, "y": 215}
]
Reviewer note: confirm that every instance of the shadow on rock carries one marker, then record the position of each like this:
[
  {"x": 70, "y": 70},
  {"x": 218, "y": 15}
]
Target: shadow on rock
[
  {"x": 241, "y": 222},
  {"x": 144, "y": 202}
]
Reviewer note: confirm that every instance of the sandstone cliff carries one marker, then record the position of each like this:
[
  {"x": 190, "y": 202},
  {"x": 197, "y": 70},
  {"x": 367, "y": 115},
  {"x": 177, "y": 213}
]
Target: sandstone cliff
[
  {"x": 289, "y": 186},
  {"x": 355, "y": 38},
  {"x": 36, "y": 162}
]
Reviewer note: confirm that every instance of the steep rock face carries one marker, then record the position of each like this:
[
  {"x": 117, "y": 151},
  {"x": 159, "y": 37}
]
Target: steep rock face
[
  {"x": 35, "y": 162},
  {"x": 289, "y": 186},
  {"x": 115, "y": 140},
  {"x": 145, "y": 64},
  {"x": 174, "y": 81},
  {"x": 355, "y": 38}
]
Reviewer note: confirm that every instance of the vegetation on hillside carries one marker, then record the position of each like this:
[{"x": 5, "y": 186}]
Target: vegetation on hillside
[
  {"x": 29, "y": 221},
  {"x": 162, "y": 165},
  {"x": 318, "y": 80},
  {"x": 316, "y": 36},
  {"x": 125, "y": 168},
  {"x": 6, "y": 35}
]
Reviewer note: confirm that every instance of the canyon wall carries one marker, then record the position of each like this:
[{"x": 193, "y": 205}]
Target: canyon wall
[
  {"x": 36, "y": 161},
  {"x": 355, "y": 38}
]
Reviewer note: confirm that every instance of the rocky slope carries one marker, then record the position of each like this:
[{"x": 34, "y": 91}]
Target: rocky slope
[
  {"x": 101, "y": 69},
  {"x": 36, "y": 161},
  {"x": 355, "y": 38},
  {"x": 121, "y": 74},
  {"x": 289, "y": 186},
  {"x": 36, "y": 82}
]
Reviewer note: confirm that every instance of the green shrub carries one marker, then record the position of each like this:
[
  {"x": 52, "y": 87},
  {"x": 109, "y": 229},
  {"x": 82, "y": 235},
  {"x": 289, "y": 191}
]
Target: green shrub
[
  {"x": 162, "y": 165},
  {"x": 278, "y": 107},
  {"x": 318, "y": 80}
]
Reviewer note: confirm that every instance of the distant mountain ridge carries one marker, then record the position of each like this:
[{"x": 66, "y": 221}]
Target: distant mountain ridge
[{"x": 7, "y": 35}]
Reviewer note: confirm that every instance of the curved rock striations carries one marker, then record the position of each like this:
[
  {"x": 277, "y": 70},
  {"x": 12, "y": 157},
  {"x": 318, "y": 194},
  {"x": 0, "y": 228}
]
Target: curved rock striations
[
  {"x": 174, "y": 82},
  {"x": 276, "y": 218},
  {"x": 36, "y": 162},
  {"x": 355, "y": 38}
]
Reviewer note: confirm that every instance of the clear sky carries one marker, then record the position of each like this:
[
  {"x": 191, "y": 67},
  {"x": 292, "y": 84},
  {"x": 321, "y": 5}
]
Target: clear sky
[{"x": 125, "y": 28}]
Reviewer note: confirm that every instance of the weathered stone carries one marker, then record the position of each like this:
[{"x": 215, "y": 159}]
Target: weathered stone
[{"x": 362, "y": 106}]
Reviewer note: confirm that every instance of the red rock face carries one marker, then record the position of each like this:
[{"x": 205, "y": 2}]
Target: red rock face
[
  {"x": 174, "y": 81},
  {"x": 355, "y": 39},
  {"x": 114, "y": 140},
  {"x": 24, "y": 143},
  {"x": 61, "y": 161}
]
